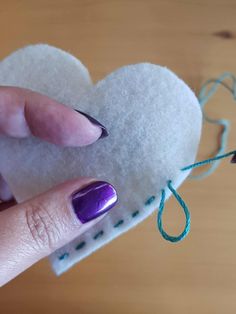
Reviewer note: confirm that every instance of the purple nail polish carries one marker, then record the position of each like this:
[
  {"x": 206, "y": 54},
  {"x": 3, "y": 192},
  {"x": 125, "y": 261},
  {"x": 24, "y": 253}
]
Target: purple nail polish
[
  {"x": 94, "y": 121},
  {"x": 233, "y": 160},
  {"x": 94, "y": 200}
]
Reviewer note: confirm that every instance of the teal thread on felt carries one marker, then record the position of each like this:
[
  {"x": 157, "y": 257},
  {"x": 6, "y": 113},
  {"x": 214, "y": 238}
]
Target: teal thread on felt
[
  {"x": 150, "y": 200},
  {"x": 80, "y": 245},
  {"x": 63, "y": 256},
  {"x": 98, "y": 235},
  {"x": 119, "y": 223},
  {"x": 161, "y": 210},
  {"x": 162, "y": 207},
  {"x": 134, "y": 214},
  {"x": 203, "y": 97}
]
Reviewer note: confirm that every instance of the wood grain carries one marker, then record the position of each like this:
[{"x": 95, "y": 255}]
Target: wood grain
[{"x": 140, "y": 272}]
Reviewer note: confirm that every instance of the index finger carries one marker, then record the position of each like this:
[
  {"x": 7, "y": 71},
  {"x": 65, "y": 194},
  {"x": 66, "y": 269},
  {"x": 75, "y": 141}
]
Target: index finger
[{"x": 24, "y": 112}]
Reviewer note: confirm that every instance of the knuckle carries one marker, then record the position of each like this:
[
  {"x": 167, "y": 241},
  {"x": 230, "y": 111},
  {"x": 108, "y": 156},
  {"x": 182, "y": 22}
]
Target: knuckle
[{"x": 42, "y": 227}]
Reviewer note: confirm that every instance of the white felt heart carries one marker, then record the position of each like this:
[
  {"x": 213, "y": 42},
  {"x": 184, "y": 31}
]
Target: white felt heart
[{"x": 154, "y": 122}]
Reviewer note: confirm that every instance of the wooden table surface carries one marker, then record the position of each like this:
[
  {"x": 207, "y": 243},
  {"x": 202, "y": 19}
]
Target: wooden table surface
[{"x": 140, "y": 272}]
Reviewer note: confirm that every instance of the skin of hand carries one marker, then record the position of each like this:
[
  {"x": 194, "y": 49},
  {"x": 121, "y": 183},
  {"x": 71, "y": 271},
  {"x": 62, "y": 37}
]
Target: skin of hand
[{"x": 31, "y": 230}]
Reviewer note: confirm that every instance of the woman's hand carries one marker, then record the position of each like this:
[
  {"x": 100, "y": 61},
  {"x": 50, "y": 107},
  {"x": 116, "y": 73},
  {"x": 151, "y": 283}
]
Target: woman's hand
[{"x": 32, "y": 230}]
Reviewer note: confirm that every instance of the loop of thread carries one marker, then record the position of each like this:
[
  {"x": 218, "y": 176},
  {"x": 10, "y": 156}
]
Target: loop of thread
[
  {"x": 161, "y": 210},
  {"x": 203, "y": 98},
  {"x": 204, "y": 95},
  {"x": 181, "y": 201}
]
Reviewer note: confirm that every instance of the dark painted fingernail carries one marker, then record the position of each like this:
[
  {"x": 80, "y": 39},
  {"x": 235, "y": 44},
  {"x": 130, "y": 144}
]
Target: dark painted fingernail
[
  {"x": 94, "y": 121},
  {"x": 94, "y": 200},
  {"x": 233, "y": 160}
]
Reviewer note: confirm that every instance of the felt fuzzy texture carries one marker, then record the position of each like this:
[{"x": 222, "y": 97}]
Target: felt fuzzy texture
[{"x": 154, "y": 121}]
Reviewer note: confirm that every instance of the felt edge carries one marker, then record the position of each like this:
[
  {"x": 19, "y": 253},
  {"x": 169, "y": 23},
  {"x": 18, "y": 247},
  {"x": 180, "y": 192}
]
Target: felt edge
[
  {"x": 52, "y": 48},
  {"x": 59, "y": 267}
]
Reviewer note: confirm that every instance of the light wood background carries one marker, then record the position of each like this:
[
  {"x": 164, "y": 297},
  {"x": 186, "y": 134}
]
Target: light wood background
[{"x": 140, "y": 272}]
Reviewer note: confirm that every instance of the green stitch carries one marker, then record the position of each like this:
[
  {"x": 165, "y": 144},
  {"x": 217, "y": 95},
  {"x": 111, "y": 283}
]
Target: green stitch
[
  {"x": 80, "y": 245},
  {"x": 98, "y": 235},
  {"x": 150, "y": 200},
  {"x": 120, "y": 222},
  {"x": 134, "y": 214},
  {"x": 63, "y": 256}
]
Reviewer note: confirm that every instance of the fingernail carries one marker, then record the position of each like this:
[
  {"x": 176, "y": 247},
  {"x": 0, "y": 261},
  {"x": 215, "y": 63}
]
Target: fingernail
[
  {"x": 94, "y": 121},
  {"x": 94, "y": 200},
  {"x": 233, "y": 160}
]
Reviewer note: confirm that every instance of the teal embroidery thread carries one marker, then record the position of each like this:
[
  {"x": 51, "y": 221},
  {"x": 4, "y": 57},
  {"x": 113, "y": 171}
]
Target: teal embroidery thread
[
  {"x": 119, "y": 223},
  {"x": 150, "y": 200},
  {"x": 80, "y": 245},
  {"x": 181, "y": 202},
  {"x": 204, "y": 95},
  {"x": 134, "y": 214},
  {"x": 208, "y": 161},
  {"x": 161, "y": 210},
  {"x": 98, "y": 235},
  {"x": 63, "y": 256}
]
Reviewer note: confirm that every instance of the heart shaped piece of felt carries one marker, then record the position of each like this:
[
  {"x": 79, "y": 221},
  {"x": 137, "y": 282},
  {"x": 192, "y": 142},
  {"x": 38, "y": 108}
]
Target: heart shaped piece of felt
[{"x": 154, "y": 123}]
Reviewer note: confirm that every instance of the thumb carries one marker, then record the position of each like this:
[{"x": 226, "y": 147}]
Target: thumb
[{"x": 32, "y": 230}]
